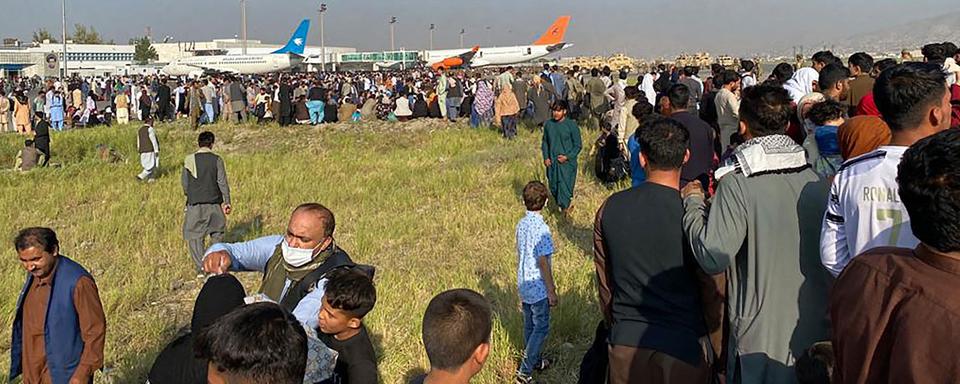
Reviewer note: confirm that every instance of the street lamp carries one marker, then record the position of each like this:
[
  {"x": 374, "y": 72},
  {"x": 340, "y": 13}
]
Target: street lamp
[
  {"x": 462, "y": 31},
  {"x": 243, "y": 22},
  {"x": 323, "y": 46},
  {"x": 432, "y": 27},
  {"x": 393, "y": 20}
]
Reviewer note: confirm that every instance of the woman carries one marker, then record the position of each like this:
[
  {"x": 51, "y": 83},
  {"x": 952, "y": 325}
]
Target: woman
[
  {"x": 862, "y": 134},
  {"x": 369, "y": 109},
  {"x": 330, "y": 110},
  {"x": 507, "y": 111},
  {"x": 145, "y": 104},
  {"x": 433, "y": 106},
  {"x": 56, "y": 111},
  {"x": 347, "y": 108},
  {"x": 420, "y": 109},
  {"x": 21, "y": 114},
  {"x": 402, "y": 110},
  {"x": 482, "y": 113},
  {"x": 123, "y": 108}
]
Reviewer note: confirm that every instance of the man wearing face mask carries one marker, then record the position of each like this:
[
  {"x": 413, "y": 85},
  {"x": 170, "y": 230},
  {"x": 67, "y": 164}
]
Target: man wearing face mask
[{"x": 294, "y": 265}]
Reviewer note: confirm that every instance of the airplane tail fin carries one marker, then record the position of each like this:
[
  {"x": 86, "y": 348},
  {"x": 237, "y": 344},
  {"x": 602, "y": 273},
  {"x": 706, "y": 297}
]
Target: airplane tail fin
[
  {"x": 555, "y": 33},
  {"x": 298, "y": 41}
]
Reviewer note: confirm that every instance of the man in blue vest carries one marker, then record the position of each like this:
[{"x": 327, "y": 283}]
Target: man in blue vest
[
  {"x": 59, "y": 327},
  {"x": 294, "y": 264}
]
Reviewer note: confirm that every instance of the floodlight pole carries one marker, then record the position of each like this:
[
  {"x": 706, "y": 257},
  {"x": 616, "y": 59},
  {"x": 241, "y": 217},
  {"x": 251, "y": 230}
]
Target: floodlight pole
[
  {"x": 323, "y": 45},
  {"x": 432, "y": 27},
  {"x": 63, "y": 14},
  {"x": 393, "y": 21},
  {"x": 243, "y": 22}
]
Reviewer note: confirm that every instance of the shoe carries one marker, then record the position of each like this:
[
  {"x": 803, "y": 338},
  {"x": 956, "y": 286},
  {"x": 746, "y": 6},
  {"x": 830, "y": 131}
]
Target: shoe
[
  {"x": 543, "y": 365},
  {"x": 523, "y": 379}
]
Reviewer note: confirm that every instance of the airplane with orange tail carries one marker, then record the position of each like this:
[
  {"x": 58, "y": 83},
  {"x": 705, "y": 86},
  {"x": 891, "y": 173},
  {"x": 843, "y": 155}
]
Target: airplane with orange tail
[{"x": 549, "y": 43}]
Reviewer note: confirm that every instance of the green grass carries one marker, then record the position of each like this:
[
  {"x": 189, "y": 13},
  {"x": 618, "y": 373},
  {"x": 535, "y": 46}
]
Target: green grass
[{"x": 432, "y": 206}]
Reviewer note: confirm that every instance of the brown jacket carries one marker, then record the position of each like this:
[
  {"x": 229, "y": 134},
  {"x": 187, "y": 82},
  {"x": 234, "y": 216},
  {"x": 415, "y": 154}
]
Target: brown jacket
[
  {"x": 859, "y": 87},
  {"x": 896, "y": 317}
]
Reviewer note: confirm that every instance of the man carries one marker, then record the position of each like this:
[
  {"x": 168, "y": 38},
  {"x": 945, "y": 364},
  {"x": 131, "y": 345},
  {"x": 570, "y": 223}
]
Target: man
[
  {"x": 257, "y": 343},
  {"x": 28, "y": 157},
  {"x": 834, "y": 82},
  {"x": 204, "y": 181},
  {"x": 520, "y": 88},
  {"x": 595, "y": 90},
  {"x": 209, "y": 93},
  {"x": 441, "y": 89},
  {"x": 505, "y": 79},
  {"x": 701, "y": 136},
  {"x": 4, "y": 111},
  {"x": 59, "y": 326},
  {"x": 163, "y": 101},
  {"x": 195, "y": 101},
  {"x": 559, "y": 82},
  {"x": 728, "y": 107},
  {"x": 238, "y": 109},
  {"x": 881, "y": 322},
  {"x": 149, "y": 150},
  {"x": 747, "y": 77},
  {"x": 648, "y": 288},
  {"x": 293, "y": 264},
  {"x": 762, "y": 231},
  {"x": 865, "y": 211},
  {"x": 694, "y": 87},
  {"x": 575, "y": 92},
  {"x": 861, "y": 64},
  {"x": 454, "y": 91},
  {"x": 560, "y": 147},
  {"x": 456, "y": 335}
]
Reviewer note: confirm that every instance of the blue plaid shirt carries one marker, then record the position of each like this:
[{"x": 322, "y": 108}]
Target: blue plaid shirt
[{"x": 533, "y": 241}]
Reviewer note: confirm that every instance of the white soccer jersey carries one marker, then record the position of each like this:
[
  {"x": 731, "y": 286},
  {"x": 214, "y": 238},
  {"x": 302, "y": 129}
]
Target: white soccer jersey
[{"x": 864, "y": 210}]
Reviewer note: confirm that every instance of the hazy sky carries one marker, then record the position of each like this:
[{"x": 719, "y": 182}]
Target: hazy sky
[{"x": 637, "y": 27}]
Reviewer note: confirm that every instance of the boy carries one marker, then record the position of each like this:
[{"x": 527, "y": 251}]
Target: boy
[
  {"x": 349, "y": 295},
  {"x": 256, "y": 343},
  {"x": 456, "y": 335},
  {"x": 28, "y": 157},
  {"x": 534, "y": 279}
]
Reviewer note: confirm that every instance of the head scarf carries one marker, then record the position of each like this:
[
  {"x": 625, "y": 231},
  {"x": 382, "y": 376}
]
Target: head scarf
[
  {"x": 862, "y": 134},
  {"x": 484, "y": 100},
  {"x": 801, "y": 83}
]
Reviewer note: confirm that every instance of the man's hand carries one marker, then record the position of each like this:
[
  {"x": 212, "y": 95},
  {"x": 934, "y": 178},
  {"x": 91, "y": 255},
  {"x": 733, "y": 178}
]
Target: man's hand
[
  {"x": 546, "y": 163},
  {"x": 692, "y": 188},
  {"x": 217, "y": 262},
  {"x": 226, "y": 208},
  {"x": 79, "y": 380},
  {"x": 552, "y": 298},
  {"x": 562, "y": 159}
]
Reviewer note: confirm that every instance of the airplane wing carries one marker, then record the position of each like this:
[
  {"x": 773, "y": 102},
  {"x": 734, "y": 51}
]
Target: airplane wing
[{"x": 213, "y": 71}]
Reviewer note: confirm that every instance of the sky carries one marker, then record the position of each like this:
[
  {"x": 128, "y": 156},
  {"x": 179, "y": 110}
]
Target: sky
[{"x": 642, "y": 28}]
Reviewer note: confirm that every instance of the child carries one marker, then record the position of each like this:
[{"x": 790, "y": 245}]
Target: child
[
  {"x": 28, "y": 157},
  {"x": 456, "y": 335},
  {"x": 815, "y": 366},
  {"x": 534, "y": 279},
  {"x": 349, "y": 295}
]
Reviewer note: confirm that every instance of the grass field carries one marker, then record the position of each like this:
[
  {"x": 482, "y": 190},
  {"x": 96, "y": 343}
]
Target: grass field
[{"x": 432, "y": 206}]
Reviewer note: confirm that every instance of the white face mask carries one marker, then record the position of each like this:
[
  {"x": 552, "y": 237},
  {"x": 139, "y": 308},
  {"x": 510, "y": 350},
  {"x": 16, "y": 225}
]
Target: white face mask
[{"x": 296, "y": 257}]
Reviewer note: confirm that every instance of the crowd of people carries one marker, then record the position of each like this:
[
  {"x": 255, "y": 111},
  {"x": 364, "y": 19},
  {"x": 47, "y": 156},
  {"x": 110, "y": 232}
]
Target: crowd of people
[{"x": 766, "y": 236}]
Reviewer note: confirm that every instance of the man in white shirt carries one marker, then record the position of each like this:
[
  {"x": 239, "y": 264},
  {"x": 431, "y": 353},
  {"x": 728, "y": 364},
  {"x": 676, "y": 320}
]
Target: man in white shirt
[{"x": 864, "y": 210}]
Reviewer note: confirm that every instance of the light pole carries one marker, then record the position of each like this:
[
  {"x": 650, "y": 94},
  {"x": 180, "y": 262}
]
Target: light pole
[
  {"x": 393, "y": 20},
  {"x": 488, "y": 36},
  {"x": 63, "y": 14},
  {"x": 432, "y": 27},
  {"x": 462, "y": 31},
  {"x": 243, "y": 22},
  {"x": 323, "y": 46}
]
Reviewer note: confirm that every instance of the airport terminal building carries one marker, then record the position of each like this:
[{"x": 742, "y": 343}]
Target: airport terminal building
[{"x": 44, "y": 59}]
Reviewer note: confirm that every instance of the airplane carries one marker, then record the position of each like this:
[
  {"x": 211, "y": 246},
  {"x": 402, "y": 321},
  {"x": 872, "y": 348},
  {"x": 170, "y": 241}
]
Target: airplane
[
  {"x": 289, "y": 56},
  {"x": 458, "y": 61},
  {"x": 549, "y": 43}
]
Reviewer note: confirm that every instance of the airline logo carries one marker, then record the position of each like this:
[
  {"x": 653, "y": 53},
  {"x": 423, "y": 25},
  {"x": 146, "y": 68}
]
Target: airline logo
[{"x": 298, "y": 41}]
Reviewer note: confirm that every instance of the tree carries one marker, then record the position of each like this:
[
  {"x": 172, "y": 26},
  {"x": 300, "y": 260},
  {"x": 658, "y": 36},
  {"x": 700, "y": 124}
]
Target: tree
[
  {"x": 86, "y": 35},
  {"x": 143, "y": 51},
  {"x": 43, "y": 34}
]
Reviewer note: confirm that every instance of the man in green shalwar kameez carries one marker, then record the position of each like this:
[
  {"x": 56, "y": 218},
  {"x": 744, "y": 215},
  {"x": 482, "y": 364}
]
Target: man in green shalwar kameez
[{"x": 561, "y": 146}]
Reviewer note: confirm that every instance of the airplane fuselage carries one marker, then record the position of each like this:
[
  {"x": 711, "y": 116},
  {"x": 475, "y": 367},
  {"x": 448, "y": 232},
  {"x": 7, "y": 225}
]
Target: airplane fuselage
[
  {"x": 495, "y": 56},
  {"x": 237, "y": 64}
]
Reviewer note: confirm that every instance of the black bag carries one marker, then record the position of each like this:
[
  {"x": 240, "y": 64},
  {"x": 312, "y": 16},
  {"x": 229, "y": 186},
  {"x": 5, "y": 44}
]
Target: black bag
[{"x": 593, "y": 367}]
